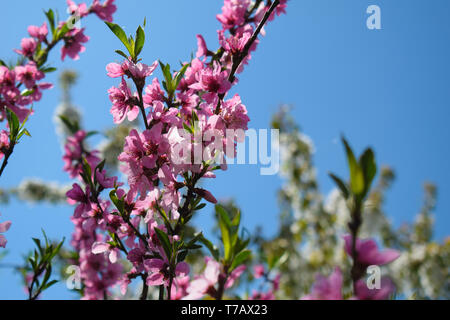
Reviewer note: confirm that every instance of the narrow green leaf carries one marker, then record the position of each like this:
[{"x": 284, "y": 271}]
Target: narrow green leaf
[
  {"x": 369, "y": 168},
  {"x": 356, "y": 174},
  {"x": 51, "y": 19},
  {"x": 120, "y": 52},
  {"x": 165, "y": 242},
  {"x": 140, "y": 41},
  {"x": 120, "y": 34},
  {"x": 240, "y": 258},
  {"x": 212, "y": 248},
  {"x": 341, "y": 185}
]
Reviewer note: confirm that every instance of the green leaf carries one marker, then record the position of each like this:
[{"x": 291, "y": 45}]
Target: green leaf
[
  {"x": 187, "y": 128},
  {"x": 14, "y": 124},
  {"x": 369, "y": 168},
  {"x": 165, "y": 242},
  {"x": 356, "y": 174},
  {"x": 120, "y": 52},
  {"x": 120, "y": 34},
  {"x": 140, "y": 40},
  {"x": 180, "y": 76},
  {"x": 225, "y": 227},
  {"x": 48, "y": 285},
  {"x": 341, "y": 184},
  {"x": 212, "y": 248},
  {"x": 240, "y": 258},
  {"x": 182, "y": 255},
  {"x": 119, "y": 203},
  {"x": 48, "y": 69},
  {"x": 73, "y": 127},
  {"x": 51, "y": 19}
]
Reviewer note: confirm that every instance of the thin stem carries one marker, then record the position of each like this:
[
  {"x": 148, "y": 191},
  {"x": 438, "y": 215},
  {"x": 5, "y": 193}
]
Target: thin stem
[
  {"x": 7, "y": 154},
  {"x": 239, "y": 57},
  {"x": 144, "y": 292}
]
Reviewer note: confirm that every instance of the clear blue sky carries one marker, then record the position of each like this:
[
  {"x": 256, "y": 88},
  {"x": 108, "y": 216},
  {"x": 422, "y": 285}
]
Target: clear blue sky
[{"x": 386, "y": 88}]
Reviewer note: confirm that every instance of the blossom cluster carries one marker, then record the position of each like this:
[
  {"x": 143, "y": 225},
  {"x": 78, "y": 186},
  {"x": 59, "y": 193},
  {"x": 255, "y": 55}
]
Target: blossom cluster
[
  {"x": 22, "y": 85},
  {"x": 367, "y": 254},
  {"x": 144, "y": 219}
]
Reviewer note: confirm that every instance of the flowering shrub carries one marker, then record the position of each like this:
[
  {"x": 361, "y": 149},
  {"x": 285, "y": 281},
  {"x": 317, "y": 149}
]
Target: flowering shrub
[{"x": 135, "y": 234}]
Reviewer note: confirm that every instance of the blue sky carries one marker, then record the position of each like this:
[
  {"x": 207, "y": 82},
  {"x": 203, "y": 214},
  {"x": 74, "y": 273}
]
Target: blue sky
[{"x": 384, "y": 88}]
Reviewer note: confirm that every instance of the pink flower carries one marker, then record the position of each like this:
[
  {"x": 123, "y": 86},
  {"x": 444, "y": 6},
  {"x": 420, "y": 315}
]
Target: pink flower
[
  {"x": 236, "y": 43},
  {"x": 130, "y": 69},
  {"x": 258, "y": 271},
  {"x": 159, "y": 271},
  {"x": 123, "y": 105},
  {"x": 141, "y": 70},
  {"x": 140, "y": 155},
  {"x": 28, "y": 47},
  {"x": 212, "y": 80},
  {"x": 77, "y": 195},
  {"x": 234, "y": 113},
  {"x": 4, "y": 226},
  {"x": 100, "y": 247},
  {"x": 234, "y": 275},
  {"x": 387, "y": 288},
  {"x": 29, "y": 74},
  {"x": 104, "y": 11},
  {"x": 79, "y": 10},
  {"x": 153, "y": 92},
  {"x": 368, "y": 253},
  {"x": 107, "y": 182},
  {"x": 205, "y": 283},
  {"x": 115, "y": 70},
  {"x": 233, "y": 13},
  {"x": 202, "y": 49},
  {"x": 327, "y": 288},
  {"x": 39, "y": 33},
  {"x": 74, "y": 152},
  {"x": 73, "y": 44},
  {"x": 4, "y": 142}
]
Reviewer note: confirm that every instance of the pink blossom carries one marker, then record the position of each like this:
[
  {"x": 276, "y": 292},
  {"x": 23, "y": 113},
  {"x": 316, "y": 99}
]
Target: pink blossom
[
  {"x": 4, "y": 142},
  {"x": 100, "y": 247},
  {"x": 234, "y": 113},
  {"x": 29, "y": 74},
  {"x": 28, "y": 47},
  {"x": 74, "y": 152},
  {"x": 159, "y": 271},
  {"x": 81, "y": 10},
  {"x": 233, "y": 13},
  {"x": 212, "y": 80},
  {"x": 368, "y": 253},
  {"x": 258, "y": 271},
  {"x": 73, "y": 44},
  {"x": 39, "y": 33},
  {"x": 4, "y": 226},
  {"x": 153, "y": 92},
  {"x": 123, "y": 103},
  {"x": 115, "y": 70},
  {"x": 77, "y": 195},
  {"x": 234, "y": 275},
  {"x": 202, "y": 49},
  {"x": 141, "y": 70},
  {"x": 327, "y": 288},
  {"x": 104, "y": 11},
  {"x": 107, "y": 182}
]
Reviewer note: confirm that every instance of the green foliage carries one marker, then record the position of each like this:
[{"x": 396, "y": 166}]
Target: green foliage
[{"x": 39, "y": 264}]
